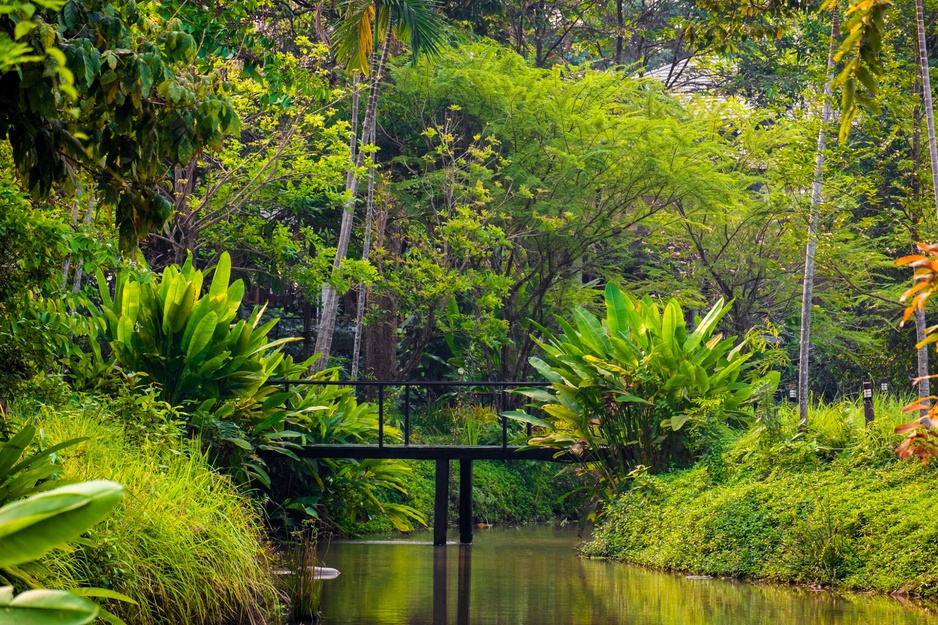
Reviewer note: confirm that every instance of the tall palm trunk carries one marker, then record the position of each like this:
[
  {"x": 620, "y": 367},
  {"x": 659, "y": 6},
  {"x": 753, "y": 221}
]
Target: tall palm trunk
[
  {"x": 804, "y": 349},
  {"x": 923, "y": 386},
  {"x": 366, "y": 252},
  {"x": 330, "y": 305}
]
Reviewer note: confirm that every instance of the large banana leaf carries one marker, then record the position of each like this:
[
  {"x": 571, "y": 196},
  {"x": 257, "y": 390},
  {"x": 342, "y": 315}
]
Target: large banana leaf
[
  {"x": 33, "y": 526},
  {"x": 45, "y": 607}
]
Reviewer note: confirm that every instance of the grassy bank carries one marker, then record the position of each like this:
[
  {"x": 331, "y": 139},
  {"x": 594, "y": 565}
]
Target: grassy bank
[
  {"x": 830, "y": 506},
  {"x": 184, "y": 543}
]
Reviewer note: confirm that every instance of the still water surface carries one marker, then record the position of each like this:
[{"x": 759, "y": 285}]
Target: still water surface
[{"x": 532, "y": 576}]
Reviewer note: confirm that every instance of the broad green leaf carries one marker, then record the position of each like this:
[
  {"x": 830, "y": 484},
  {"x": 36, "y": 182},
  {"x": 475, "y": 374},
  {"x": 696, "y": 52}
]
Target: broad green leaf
[
  {"x": 202, "y": 335},
  {"x": 31, "y": 527},
  {"x": 174, "y": 297},
  {"x": 125, "y": 330},
  {"x": 235, "y": 294},
  {"x": 213, "y": 364},
  {"x": 198, "y": 313},
  {"x": 706, "y": 326},
  {"x": 632, "y": 399},
  {"x": 591, "y": 331},
  {"x": 103, "y": 288},
  {"x": 45, "y": 607},
  {"x": 185, "y": 308},
  {"x": 523, "y": 417},
  {"x": 561, "y": 412},
  {"x": 130, "y": 301},
  {"x": 537, "y": 394},
  {"x": 676, "y": 422},
  {"x": 239, "y": 442},
  {"x": 11, "y": 450},
  {"x": 221, "y": 277},
  {"x": 671, "y": 319},
  {"x": 545, "y": 370},
  {"x": 617, "y": 317},
  {"x": 101, "y": 593}
]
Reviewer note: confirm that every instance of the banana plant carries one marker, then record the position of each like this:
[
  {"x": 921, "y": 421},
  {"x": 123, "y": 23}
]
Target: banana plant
[
  {"x": 204, "y": 358},
  {"x": 624, "y": 388},
  {"x": 218, "y": 367},
  {"x": 190, "y": 342}
]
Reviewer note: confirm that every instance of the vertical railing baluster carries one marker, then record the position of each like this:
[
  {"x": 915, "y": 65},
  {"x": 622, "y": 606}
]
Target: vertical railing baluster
[
  {"x": 500, "y": 395},
  {"x": 406, "y": 415},
  {"x": 381, "y": 415}
]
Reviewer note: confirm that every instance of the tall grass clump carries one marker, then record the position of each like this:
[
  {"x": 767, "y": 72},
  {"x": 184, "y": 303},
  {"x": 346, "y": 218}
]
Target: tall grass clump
[
  {"x": 301, "y": 582},
  {"x": 830, "y": 504},
  {"x": 184, "y": 543}
]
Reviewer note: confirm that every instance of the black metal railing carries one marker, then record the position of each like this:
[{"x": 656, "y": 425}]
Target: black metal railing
[{"x": 500, "y": 397}]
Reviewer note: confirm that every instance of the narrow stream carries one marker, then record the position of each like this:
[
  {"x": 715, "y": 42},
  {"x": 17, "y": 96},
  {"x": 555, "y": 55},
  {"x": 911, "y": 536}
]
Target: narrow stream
[{"x": 532, "y": 576}]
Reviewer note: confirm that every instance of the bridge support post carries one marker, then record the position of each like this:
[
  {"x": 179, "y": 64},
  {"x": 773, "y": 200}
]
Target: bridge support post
[
  {"x": 465, "y": 502},
  {"x": 441, "y": 503}
]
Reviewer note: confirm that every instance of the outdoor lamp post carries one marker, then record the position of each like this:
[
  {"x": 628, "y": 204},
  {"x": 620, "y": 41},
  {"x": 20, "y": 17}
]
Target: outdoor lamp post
[
  {"x": 792, "y": 393},
  {"x": 884, "y": 385},
  {"x": 867, "y": 393}
]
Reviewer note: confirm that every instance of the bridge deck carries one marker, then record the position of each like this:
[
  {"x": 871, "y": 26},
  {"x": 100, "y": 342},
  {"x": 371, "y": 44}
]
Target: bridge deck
[{"x": 433, "y": 452}]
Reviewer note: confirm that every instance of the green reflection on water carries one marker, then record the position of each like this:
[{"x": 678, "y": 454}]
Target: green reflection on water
[{"x": 532, "y": 576}]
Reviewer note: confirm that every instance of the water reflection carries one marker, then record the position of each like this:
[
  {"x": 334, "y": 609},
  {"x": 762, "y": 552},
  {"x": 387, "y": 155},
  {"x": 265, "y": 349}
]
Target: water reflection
[
  {"x": 532, "y": 576},
  {"x": 439, "y": 585},
  {"x": 465, "y": 585}
]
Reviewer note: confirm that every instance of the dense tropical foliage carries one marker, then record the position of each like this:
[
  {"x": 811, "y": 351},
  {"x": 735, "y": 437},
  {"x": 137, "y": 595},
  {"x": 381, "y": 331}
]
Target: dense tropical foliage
[{"x": 210, "y": 216}]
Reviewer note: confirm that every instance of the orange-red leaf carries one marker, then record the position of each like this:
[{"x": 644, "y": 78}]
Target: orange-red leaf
[
  {"x": 915, "y": 288},
  {"x": 905, "y": 260},
  {"x": 918, "y": 404}
]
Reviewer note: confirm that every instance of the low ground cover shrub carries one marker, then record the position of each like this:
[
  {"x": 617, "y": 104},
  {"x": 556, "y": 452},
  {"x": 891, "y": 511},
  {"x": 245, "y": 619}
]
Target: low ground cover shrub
[
  {"x": 827, "y": 506},
  {"x": 184, "y": 543}
]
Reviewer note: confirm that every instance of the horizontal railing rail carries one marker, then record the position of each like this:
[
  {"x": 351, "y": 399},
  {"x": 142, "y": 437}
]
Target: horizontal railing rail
[{"x": 498, "y": 386}]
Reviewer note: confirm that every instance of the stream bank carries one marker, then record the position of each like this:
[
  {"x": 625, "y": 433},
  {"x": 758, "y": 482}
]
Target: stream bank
[{"x": 834, "y": 524}]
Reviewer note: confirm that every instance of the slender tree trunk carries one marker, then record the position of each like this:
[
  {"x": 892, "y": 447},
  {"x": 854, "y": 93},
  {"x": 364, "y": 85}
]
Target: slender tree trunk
[
  {"x": 620, "y": 26},
  {"x": 80, "y": 268},
  {"x": 924, "y": 386},
  {"x": 366, "y": 252},
  {"x": 926, "y": 97},
  {"x": 804, "y": 348},
  {"x": 66, "y": 264},
  {"x": 330, "y": 305}
]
